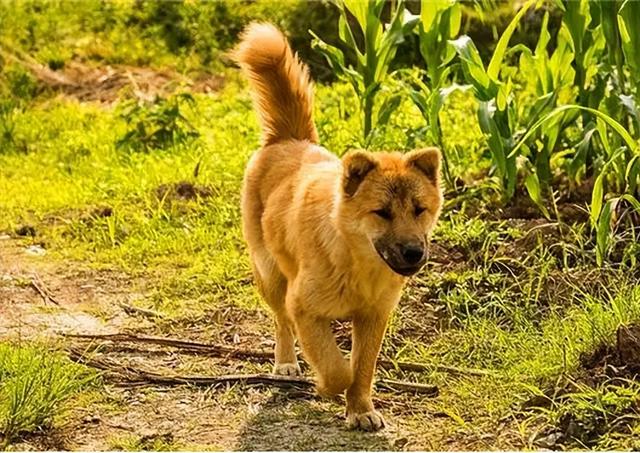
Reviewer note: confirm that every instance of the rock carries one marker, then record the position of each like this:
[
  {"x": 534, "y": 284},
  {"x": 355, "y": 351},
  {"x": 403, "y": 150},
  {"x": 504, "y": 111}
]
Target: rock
[
  {"x": 549, "y": 441},
  {"x": 35, "y": 250}
]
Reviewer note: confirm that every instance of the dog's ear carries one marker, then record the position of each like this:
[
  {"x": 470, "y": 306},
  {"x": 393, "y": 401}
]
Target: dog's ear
[
  {"x": 356, "y": 164},
  {"x": 426, "y": 160}
]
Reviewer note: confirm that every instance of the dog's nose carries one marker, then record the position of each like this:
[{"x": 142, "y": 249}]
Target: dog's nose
[{"x": 412, "y": 253}]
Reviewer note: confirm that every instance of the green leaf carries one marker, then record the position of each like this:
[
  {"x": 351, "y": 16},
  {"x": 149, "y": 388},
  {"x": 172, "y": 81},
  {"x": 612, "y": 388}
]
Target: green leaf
[
  {"x": 604, "y": 230},
  {"x": 388, "y": 108},
  {"x": 634, "y": 202},
  {"x": 632, "y": 173},
  {"x": 629, "y": 26},
  {"x": 429, "y": 10},
  {"x": 498, "y": 55},
  {"x": 489, "y": 127},
  {"x": 630, "y": 142},
  {"x": 630, "y": 104},
  {"x": 597, "y": 196},
  {"x": 473, "y": 69},
  {"x": 532, "y": 183},
  {"x": 579, "y": 160}
]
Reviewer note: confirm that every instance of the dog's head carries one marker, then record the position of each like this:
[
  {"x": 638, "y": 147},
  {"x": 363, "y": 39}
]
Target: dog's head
[{"x": 392, "y": 200}]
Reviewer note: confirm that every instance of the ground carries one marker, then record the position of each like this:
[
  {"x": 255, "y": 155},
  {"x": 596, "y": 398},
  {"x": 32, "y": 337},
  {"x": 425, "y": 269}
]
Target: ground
[
  {"x": 87, "y": 301},
  {"x": 105, "y": 230}
]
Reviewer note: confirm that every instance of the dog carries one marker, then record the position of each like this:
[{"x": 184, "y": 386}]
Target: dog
[{"x": 328, "y": 238}]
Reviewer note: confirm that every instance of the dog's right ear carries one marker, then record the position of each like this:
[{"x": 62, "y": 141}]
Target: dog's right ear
[{"x": 356, "y": 164}]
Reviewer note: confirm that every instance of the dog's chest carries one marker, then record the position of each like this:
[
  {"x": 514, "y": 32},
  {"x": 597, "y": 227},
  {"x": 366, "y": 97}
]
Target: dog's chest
[{"x": 354, "y": 291}]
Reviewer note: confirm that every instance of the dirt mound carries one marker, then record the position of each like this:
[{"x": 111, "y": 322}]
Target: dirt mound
[
  {"x": 182, "y": 190},
  {"x": 621, "y": 360}
]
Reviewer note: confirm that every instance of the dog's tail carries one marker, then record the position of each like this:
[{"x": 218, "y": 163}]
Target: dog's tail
[{"x": 281, "y": 86}]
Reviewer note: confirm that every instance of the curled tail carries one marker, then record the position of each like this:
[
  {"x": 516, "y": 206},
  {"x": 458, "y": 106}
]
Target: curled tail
[{"x": 281, "y": 86}]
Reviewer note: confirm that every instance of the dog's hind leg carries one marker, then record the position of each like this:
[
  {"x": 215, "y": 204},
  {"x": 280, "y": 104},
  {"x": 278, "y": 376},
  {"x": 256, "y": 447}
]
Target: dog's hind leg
[{"x": 272, "y": 285}]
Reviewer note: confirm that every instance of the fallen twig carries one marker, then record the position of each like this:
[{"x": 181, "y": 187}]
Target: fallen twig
[
  {"x": 263, "y": 355},
  {"x": 136, "y": 376},
  {"x": 404, "y": 386},
  {"x": 47, "y": 296},
  {"x": 131, "y": 310},
  {"x": 201, "y": 348}
]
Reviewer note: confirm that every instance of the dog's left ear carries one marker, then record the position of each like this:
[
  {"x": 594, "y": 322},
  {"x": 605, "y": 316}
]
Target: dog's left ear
[
  {"x": 357, "y": 165},
  {"x": 426, "y": 160}
]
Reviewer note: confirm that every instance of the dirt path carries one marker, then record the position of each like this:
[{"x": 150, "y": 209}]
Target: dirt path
[
  {"x": 236, "y": 418},
  {"x": 80, "y": 300}
]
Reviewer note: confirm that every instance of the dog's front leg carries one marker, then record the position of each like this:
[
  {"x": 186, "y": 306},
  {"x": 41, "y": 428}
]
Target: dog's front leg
[
  {"x": 368, "y": 331},
  {"x": 321, "y": 351}
]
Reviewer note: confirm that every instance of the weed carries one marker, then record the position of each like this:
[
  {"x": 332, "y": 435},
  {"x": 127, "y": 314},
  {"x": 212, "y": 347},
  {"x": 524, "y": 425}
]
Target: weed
[
  {"x": 157, "y": 125},
  {"x": 35, "y": 386}
]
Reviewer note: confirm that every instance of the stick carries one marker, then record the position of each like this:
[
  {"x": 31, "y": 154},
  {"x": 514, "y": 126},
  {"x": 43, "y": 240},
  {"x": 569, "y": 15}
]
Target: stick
[
  {"x": 262, "y": 355},
  {"x": 202, "y": 348},
  {"x": 37, "y": 284},
  {"x": 138, "y": 376},
  {"x": 131, "y": 310},
  {"x": 404, "y": 386}
]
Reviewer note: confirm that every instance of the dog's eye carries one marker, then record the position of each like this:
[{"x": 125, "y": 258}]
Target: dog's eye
[
  {"x": 419, "y": 210},
  {"x": 383, "y": 213}
]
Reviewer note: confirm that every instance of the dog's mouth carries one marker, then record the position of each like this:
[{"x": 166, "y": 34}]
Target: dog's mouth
[{"x": 397, "y": 267}]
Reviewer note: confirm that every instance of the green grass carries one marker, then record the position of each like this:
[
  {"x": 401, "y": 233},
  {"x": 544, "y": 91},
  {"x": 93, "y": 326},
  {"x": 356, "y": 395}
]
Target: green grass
[
  {"x": 36, "y": 385},
  {"x": 499, "y": 316},
  {"x": 520, "y": 303}
]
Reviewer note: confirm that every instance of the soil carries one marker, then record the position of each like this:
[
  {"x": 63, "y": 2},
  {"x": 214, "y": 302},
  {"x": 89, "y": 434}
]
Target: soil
[
  {"x": 182, "y": 190},
  {"x": 621, "y": 360},
  {"x": 106, "y": 84}
]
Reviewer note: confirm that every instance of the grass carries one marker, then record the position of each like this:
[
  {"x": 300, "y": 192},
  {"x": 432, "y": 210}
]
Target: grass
[
  {"x": 521, "y": 299},
  {"x": 498, "y": 309},
  {"x": 35, "y": 387},
  {"x": 499, "y": 314}
]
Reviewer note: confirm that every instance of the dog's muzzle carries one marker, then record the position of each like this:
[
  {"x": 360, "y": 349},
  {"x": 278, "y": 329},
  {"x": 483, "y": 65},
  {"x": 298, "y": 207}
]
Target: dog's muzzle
[{"x": 405, "y": 259}]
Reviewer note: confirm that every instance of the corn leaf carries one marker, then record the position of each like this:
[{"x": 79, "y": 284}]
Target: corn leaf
[{"x": 498, "y": 55}]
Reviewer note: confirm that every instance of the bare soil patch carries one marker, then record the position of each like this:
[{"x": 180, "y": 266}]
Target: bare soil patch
[{"x": 106, "y": 84}]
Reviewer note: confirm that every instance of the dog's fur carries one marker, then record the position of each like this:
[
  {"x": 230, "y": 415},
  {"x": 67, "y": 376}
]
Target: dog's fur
[{"x": 328, "y": 238}]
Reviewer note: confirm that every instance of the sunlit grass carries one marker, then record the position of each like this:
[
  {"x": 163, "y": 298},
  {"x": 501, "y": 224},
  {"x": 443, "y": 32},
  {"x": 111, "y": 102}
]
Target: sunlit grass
[{"x": 36, "y": 386}]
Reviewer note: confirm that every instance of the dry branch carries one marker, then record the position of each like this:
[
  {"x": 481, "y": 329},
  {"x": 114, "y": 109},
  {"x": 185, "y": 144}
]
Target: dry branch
[
  {"x": 38, "y": 285},
  {"x": 136, "y": 376},
  {"x": 262, "y": 355},
  {"x": 132, "y": 310},
  {"x": 201, "y": 348}
]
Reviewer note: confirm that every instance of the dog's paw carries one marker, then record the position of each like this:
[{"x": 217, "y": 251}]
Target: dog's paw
[
  {"x": 366, "y": 421},
  {"x": 287, "y": 369}
]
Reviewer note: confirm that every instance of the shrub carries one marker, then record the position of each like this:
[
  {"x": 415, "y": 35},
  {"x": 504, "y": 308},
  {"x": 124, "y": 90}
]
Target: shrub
[{"x": 158, "y": 124}]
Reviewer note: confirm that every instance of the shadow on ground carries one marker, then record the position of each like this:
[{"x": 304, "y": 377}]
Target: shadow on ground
[{"x": 284, "y": 423}]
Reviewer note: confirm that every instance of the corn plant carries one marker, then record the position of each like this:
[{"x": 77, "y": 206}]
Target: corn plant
[
  {"x": 553, "y": 74},
  {"x": 374, "y": 47},
  {"x": 629, "y": 28},
  {"x": 587, "y": 41},
  {"x": 628, "y": 20},
  {"x": 604, "y": 206},
  {"x": 439, "y": 23},
  {"x": 496, "y": 111}
]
